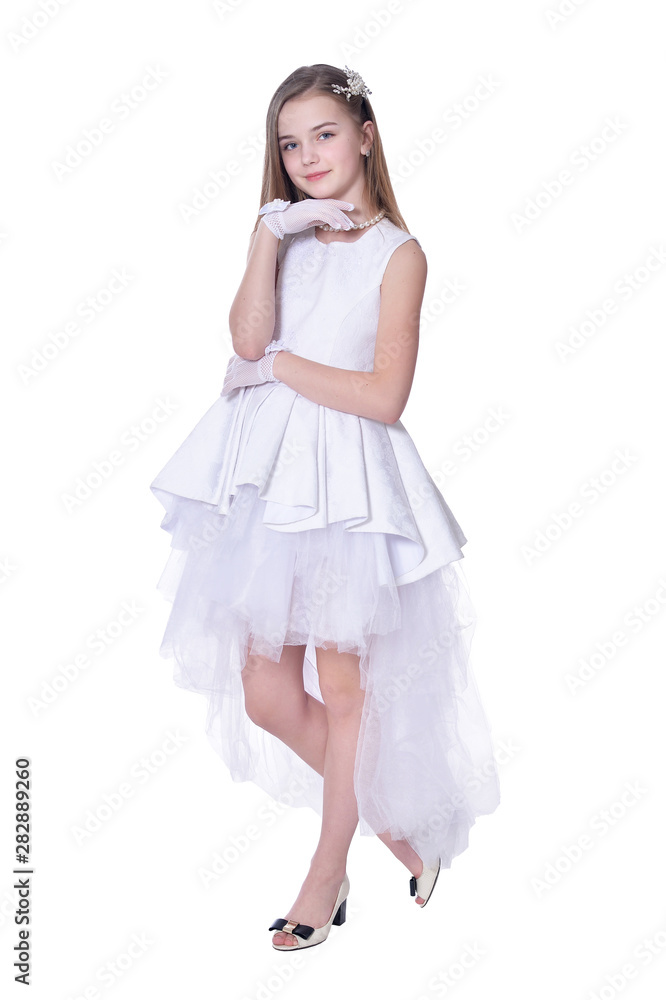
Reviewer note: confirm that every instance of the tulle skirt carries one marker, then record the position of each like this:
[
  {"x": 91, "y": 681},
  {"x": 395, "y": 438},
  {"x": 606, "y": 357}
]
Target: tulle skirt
[{"x": 424, "y": 767}]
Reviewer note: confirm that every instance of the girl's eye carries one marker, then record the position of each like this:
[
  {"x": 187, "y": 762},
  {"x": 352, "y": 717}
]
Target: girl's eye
[{"x": 285, "y": 148}]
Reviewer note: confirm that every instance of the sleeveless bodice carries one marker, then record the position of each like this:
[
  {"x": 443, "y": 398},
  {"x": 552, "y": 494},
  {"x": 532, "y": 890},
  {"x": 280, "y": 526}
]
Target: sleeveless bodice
[{"x": 328, "y": 294}]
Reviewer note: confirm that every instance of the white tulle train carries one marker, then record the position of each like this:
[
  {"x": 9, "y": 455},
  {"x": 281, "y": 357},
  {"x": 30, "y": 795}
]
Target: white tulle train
[{"x": 424, "y": 766}]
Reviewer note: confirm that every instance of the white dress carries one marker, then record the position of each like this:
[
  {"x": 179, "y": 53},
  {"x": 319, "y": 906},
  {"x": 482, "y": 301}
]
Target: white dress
[{"x": 294, "y": 523}]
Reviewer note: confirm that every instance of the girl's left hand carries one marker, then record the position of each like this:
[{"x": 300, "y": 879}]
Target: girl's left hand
[{"x": 244, "y": 373}]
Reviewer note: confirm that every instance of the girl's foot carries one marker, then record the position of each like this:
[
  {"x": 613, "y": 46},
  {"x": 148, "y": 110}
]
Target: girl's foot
[
  {"x": 405, "y": 853},
  {"x": 314, "y": 903}
]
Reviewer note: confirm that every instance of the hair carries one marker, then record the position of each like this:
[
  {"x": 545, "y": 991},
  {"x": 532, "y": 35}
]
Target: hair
[{"x": 308, "y": 81}]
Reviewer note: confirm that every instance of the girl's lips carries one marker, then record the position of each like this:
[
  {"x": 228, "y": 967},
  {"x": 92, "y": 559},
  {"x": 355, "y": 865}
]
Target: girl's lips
[{"x": 315, "y": 177}]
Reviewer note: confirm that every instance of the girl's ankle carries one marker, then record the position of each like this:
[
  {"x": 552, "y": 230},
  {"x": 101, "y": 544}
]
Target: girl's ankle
[{"x": 327, "y": 871}]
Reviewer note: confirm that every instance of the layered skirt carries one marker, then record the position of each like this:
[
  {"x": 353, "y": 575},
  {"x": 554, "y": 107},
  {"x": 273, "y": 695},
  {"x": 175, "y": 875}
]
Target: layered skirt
[{"x": 239, "y": 584}]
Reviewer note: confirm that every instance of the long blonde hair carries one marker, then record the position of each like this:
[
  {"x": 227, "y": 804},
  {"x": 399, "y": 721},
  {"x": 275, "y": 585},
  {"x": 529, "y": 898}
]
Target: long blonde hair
[{"x": 317, "y": 79}]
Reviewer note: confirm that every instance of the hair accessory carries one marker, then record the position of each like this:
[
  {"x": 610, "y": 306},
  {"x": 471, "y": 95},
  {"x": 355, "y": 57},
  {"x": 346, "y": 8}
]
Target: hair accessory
[{"x": 355, "y": 85}]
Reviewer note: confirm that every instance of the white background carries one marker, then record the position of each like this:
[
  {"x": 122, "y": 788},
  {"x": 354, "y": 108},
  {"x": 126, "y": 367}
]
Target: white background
[{"x": 529, "y": 915}]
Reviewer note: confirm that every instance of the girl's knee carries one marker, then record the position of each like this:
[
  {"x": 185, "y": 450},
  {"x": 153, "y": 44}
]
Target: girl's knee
[
  {"x": 273, "y": 692},
  {"x": 258, "y": 694},
  {"x": 339, "y": 678},
  {"x": 341, "y": 702}
]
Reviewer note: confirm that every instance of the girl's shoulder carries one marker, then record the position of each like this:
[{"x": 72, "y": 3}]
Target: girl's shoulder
[
  {"x": 392, "y": 237},
  {"x": 396, "y": 234}
]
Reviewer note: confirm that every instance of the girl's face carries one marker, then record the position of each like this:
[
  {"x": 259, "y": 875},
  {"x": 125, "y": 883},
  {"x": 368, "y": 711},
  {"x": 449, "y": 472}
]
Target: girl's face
[{"x": 323, "y": 152}]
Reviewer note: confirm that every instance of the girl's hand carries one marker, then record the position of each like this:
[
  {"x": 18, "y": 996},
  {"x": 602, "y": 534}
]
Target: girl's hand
[
  {"x": 241, "y": 372},
  {"x": 284, "y": 217}
]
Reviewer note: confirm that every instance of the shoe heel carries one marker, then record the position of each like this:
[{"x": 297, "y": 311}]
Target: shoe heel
[{"x": 341, "y": 915}]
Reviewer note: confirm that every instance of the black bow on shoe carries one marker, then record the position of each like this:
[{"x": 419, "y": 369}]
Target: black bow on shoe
[{"x": 303, "y": 930}]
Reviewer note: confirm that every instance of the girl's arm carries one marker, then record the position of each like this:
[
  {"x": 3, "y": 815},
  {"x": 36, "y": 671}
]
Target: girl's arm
[
  {"x": 252, "y": 314},
  {"x": 381, "y": 394}
]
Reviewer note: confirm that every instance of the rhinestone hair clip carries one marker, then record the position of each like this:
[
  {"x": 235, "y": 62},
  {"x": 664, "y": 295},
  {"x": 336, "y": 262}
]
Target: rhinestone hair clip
[{"x": 356, "y": 85}]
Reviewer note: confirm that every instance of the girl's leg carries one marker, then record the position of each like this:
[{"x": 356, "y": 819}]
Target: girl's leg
[
  {"x": 343, "y": 704},
  {"x": 276, "y": 700}
]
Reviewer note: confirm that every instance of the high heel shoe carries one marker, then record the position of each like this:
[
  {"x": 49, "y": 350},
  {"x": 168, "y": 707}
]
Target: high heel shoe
[
  {"x": 425, "y": 883},
  {"x": 310, "y": 936}
]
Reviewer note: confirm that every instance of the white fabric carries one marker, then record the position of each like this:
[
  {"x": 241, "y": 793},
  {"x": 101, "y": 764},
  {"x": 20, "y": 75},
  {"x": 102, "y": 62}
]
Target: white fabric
[
  {"x": 276, "y": 205},
  {"x": 294, "y": 523}
]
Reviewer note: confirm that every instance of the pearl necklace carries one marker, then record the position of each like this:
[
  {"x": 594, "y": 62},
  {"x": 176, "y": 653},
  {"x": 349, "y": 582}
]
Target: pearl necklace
[{"x": 359, "y": 225}]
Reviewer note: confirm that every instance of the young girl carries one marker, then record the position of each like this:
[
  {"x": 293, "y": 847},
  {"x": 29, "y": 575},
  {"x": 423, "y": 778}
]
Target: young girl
[{"x": 318, "y": 603}]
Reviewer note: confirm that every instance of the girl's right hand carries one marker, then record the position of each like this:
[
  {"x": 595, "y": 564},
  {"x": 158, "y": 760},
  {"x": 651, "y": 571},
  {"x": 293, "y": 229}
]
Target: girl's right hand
[{"x": 293, "y": 217}]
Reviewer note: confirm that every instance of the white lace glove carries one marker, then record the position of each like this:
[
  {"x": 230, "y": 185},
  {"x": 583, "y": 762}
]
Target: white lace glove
[
  {"x": 242, "y": 372},
  {"x": 284, "y": 217}
]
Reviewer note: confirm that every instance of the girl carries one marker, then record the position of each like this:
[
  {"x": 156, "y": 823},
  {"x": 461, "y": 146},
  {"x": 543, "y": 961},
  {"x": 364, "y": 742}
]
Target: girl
[{"x": 318, "y": 603}]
